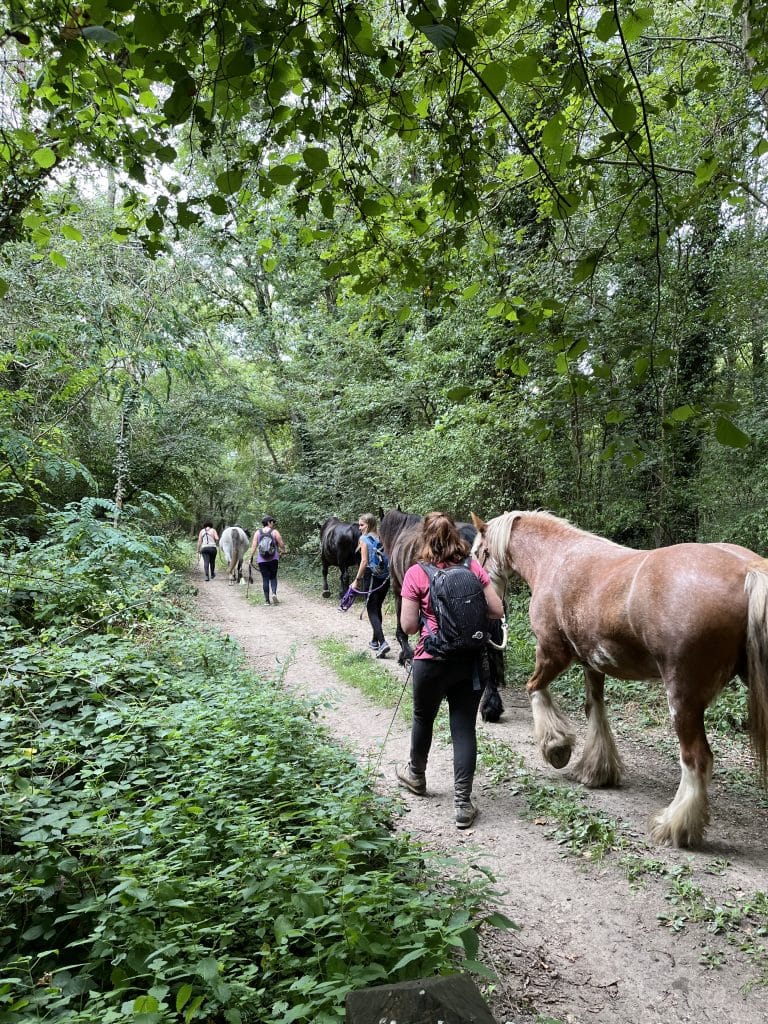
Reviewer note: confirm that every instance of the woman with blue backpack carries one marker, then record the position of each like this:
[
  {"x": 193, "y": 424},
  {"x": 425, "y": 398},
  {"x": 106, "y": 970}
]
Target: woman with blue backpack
[{"x": 373, "y": 579}]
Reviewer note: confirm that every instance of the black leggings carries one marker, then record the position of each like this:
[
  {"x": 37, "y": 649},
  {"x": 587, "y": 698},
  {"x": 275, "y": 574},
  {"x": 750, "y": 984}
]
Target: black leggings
[
  {"x": 372, "y": 585},
  {"x": 209, "y": 560},
  {"x": 268, "y": 572},
  {"x": 457, "y": 681}
]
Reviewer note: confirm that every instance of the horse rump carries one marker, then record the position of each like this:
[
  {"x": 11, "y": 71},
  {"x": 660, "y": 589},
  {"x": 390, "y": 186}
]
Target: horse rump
[
  {"x": 234, "y": 544},
  {"x": 338, "y": 547}
]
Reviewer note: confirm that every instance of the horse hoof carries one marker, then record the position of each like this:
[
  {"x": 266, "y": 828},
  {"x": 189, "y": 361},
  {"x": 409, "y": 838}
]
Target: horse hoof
[
  {"x": 326, "y": 593},
  {"x": 559, "y": 757}
]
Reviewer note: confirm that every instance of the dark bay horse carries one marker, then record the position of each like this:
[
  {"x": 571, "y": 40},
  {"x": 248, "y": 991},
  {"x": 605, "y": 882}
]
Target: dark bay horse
[
  {"x": 338, "y": 547},
  {"x": 692, "y": 615},
  {"x": 403, "y": 536}
]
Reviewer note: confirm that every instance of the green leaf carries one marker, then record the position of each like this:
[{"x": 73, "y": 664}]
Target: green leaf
[
  {"x": 495, "y": 77},
  {"x": 229, "y": 181},
  {"x": 524, "y": 69},
  {"x": 517, "y": 365},
  {"x": 182, "y": 997},
  {"x": 99, "y": 34},
  {"x": 706, "y": 170},
  {"x": 585, "y": 268},
  {"x": 624, "y": 115},
  {"x": 44, "y": 157},
  {"x": 552, "y": 133},
  {"x": 499, "y": 920},
  {"x": 728, "y": 433},
  {"x": 217, "y": 204},
  {"x": 148, "y": 28},
  {"x": 208, "y": 968},
  {"x": 282, "y": 174},
  {"x": 327, "y": 204},
  {"x": 415, "y": 954},
  {"x": 441, "y": 36},
  {"x": 4, "y": 286},
  {"x": 567, "y": 205},
  {"x": 145, "y": 1004},
  {"x": 315, "y": 158},
  {"x": 635, "y": 22},
  {"x": 71, "y": 233},
  {"x": 471, "y": 290},
  {"x": 57, "y": 258},
  {"x": 477, "y": 968},
  {"x": 682, "y": 413},
  {"x": 372, "y": 208},
  {"x": 606, "y": 26},
  {"x": 459, "y": 394}
]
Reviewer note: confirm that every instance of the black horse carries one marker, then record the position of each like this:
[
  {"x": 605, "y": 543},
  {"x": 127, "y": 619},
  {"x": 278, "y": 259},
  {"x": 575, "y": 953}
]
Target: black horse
[
  {"x": 338, "y": 546},
  {"x": 400, "y": 534}
]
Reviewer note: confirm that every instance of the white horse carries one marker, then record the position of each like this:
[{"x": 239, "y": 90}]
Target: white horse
[{"x": 234, "y": 544}]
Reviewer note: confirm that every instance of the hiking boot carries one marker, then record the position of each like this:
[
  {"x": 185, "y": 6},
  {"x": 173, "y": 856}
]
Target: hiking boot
[
  {"x": 374, "y": 645},
  {"x": 383, "y": 650},
  {"x": 466, "y": 812},
  {"x": 266, "y": 600},
  {"x": 415, "y": 781},
  {"x": 207, "y": 579},
  {"x": 274, "y": 599}
]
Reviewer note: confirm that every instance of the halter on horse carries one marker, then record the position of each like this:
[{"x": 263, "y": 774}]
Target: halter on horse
[{"x": 692, "y": 615}]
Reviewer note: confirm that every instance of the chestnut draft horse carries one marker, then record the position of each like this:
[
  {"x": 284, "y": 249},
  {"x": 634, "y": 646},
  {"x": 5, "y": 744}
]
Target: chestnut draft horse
[{"x": 692, "y": 615}]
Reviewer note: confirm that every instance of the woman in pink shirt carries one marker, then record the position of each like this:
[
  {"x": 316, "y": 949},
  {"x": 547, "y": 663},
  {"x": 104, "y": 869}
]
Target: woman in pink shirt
[{"x": 455, "y": 678}]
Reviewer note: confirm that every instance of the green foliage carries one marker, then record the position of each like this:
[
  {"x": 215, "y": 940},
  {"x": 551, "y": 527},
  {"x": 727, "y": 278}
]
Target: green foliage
[{"x": 178, "y": 841}]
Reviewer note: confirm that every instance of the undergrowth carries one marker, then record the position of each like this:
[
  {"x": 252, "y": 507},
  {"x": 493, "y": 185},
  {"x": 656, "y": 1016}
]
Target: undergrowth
[{"x": 179, "y": 841}]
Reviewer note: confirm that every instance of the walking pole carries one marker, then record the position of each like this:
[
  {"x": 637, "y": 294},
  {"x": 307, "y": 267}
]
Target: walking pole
[{"x": 394, "y": 716}]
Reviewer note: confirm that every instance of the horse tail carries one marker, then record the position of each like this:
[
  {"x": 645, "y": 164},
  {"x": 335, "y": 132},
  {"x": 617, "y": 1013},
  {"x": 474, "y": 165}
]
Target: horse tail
[{"x": 756, "y": 587}]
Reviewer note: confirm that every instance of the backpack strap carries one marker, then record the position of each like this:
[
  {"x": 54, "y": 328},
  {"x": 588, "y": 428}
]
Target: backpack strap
[
  {"x": 431, "y": 572},
  {"x": 429, "y": 569}
]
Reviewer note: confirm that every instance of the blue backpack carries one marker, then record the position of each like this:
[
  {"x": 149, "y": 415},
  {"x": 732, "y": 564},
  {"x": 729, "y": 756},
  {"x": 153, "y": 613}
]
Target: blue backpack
[{"x": 378, "y": 562}]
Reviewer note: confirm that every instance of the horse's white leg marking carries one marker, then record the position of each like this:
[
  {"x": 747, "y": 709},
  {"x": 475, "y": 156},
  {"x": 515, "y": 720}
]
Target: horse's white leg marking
[
  {"x": 682, "y": 823},
  {"x": 552, "y": 729},
  {"x": 600, "y": 763}
]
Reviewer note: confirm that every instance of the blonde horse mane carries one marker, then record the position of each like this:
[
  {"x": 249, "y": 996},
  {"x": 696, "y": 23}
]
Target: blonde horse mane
[{"x": 499, "y": 530}]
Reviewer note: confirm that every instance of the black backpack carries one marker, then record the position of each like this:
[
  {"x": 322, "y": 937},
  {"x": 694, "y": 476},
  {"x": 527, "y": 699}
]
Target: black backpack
[
  {"x": 267, "y": 544},
  {"x": 459, "y": 605}
]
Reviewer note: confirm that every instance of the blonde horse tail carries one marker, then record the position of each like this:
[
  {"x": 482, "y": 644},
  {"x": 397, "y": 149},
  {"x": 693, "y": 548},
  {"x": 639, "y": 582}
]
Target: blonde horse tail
[{"x": 756, "y": 587}]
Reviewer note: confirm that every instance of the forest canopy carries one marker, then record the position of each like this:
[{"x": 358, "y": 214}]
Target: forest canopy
[{"x": 463, "y": 255}]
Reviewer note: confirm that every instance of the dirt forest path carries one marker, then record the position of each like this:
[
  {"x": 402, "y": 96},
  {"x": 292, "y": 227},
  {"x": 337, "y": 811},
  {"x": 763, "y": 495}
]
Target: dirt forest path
[{"x": 590, "y": 946}]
